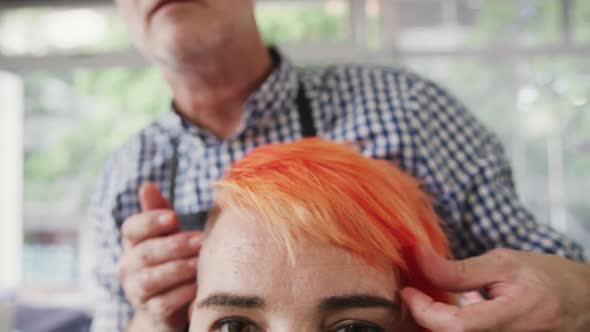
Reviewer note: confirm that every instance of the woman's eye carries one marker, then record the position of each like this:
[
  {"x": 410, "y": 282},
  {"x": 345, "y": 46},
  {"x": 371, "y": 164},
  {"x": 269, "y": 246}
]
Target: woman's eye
[
  {"x": 358, "y": 327},
  {"x": 235, "y": 325}
]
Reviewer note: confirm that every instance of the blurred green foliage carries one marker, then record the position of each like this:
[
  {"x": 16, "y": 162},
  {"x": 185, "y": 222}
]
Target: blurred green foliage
[
  {"x": 291, "y": 22},
  {"x": 128, "y": 99}
]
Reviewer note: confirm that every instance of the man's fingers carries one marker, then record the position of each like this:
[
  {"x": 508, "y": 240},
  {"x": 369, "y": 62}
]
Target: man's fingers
[
  {"x": 426, "y": 312},
  {"x": 165, "y": 305},
  {"x": 163, "y": 249},
  {"x": 157, "y": 279},
  {"x": 468, "y": 274},
  {"x": 145, "y": 225},
  {"x": 490, "y": 315},
  {"x": 151, "y": 198}
]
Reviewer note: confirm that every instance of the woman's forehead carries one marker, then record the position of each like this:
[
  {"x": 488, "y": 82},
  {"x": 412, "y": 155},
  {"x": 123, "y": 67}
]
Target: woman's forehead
[{"x": 240, "y": 256}]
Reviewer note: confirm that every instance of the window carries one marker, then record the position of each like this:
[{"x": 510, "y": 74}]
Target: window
[
  {"x": 47, "y": 30},
  {"x": 309, "y": 21},
  {"x": 73, "y": 120},
  {"x": 521, "y": 66}
]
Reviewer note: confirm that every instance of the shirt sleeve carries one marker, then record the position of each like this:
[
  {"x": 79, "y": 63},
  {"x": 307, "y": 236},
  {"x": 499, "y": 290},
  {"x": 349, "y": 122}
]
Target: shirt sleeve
[
  {"x": 465, "y": 168},
  {"x": 112, "y": 312}
]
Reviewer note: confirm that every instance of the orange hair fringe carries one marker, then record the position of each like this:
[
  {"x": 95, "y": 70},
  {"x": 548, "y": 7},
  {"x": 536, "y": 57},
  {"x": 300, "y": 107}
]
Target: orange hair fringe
[{"x": 329, "y": 193}]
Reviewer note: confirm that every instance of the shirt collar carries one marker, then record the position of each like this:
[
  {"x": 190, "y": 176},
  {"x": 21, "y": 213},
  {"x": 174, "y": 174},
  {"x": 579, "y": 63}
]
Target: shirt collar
[{"x": 275, "y": 94}]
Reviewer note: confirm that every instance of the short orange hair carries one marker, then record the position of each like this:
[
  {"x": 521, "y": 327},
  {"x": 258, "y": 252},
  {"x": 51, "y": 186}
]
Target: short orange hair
[{"x": 327, "y": 192}]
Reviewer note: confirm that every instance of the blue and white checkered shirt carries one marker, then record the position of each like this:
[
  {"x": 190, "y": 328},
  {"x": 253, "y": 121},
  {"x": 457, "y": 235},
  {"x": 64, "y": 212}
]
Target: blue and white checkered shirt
[{"x": 388, "y": 113}]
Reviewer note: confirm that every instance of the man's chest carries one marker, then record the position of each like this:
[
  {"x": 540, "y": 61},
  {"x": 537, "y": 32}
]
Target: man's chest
[
  {"x": 190, "y": 179},
  {"x": 201, "y": 165}
]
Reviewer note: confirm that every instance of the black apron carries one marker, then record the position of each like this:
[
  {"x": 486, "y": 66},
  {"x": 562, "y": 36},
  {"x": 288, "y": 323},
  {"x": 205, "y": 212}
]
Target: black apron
[{"x": 196, "y": 221}]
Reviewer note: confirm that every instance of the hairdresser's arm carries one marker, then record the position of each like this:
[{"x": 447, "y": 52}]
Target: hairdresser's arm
[
  {"x": 472, "y": 182},
  {"x": 467, "y": 172},
  {"x": 528, "y": 292},
  {"x": 158, "y": 267}
]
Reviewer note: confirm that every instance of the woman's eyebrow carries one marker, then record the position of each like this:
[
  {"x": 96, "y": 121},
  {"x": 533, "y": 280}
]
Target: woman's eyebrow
[
  {"x": 231, "y": 300},
  {"x": 355, "y": 301}
]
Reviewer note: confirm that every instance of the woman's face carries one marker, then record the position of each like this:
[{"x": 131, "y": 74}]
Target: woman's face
[{"x": 248, "y": 284}]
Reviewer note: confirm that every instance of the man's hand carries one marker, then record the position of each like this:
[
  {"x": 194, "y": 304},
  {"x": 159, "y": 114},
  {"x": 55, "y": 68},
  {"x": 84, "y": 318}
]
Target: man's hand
[
  {"x": 528, "y": 292},
  {"x": 158, "y": 265}
]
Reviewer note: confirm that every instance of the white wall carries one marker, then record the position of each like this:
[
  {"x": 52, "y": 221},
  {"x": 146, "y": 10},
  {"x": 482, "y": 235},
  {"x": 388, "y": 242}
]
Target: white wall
[{"x": 11, "y": 180}]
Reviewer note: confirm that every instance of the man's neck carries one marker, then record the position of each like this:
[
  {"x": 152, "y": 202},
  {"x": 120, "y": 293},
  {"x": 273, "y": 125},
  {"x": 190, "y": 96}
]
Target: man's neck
[{"x": 211, "y": 90}]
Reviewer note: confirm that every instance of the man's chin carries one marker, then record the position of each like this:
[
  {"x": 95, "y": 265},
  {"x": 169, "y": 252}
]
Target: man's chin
[
  {"x": 170, "y": 42},
  {"x": 181, "y": 41},
  {"x": 179, "y": 54}
]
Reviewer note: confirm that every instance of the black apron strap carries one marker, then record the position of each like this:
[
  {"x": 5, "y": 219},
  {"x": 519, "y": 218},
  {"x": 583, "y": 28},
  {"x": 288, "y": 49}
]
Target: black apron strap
[
  {"x": 305, "y": 115},
  {"x": 188, "y": 221},
  {"x": 193, "y": 221},
  {"x": 196, "y": 221}
]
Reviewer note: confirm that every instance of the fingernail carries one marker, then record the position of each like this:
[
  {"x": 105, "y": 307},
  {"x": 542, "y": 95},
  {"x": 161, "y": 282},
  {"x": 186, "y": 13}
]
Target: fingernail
[
  {"x": 195, "y": 242},
  {"x": 165, "y": 219}
]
